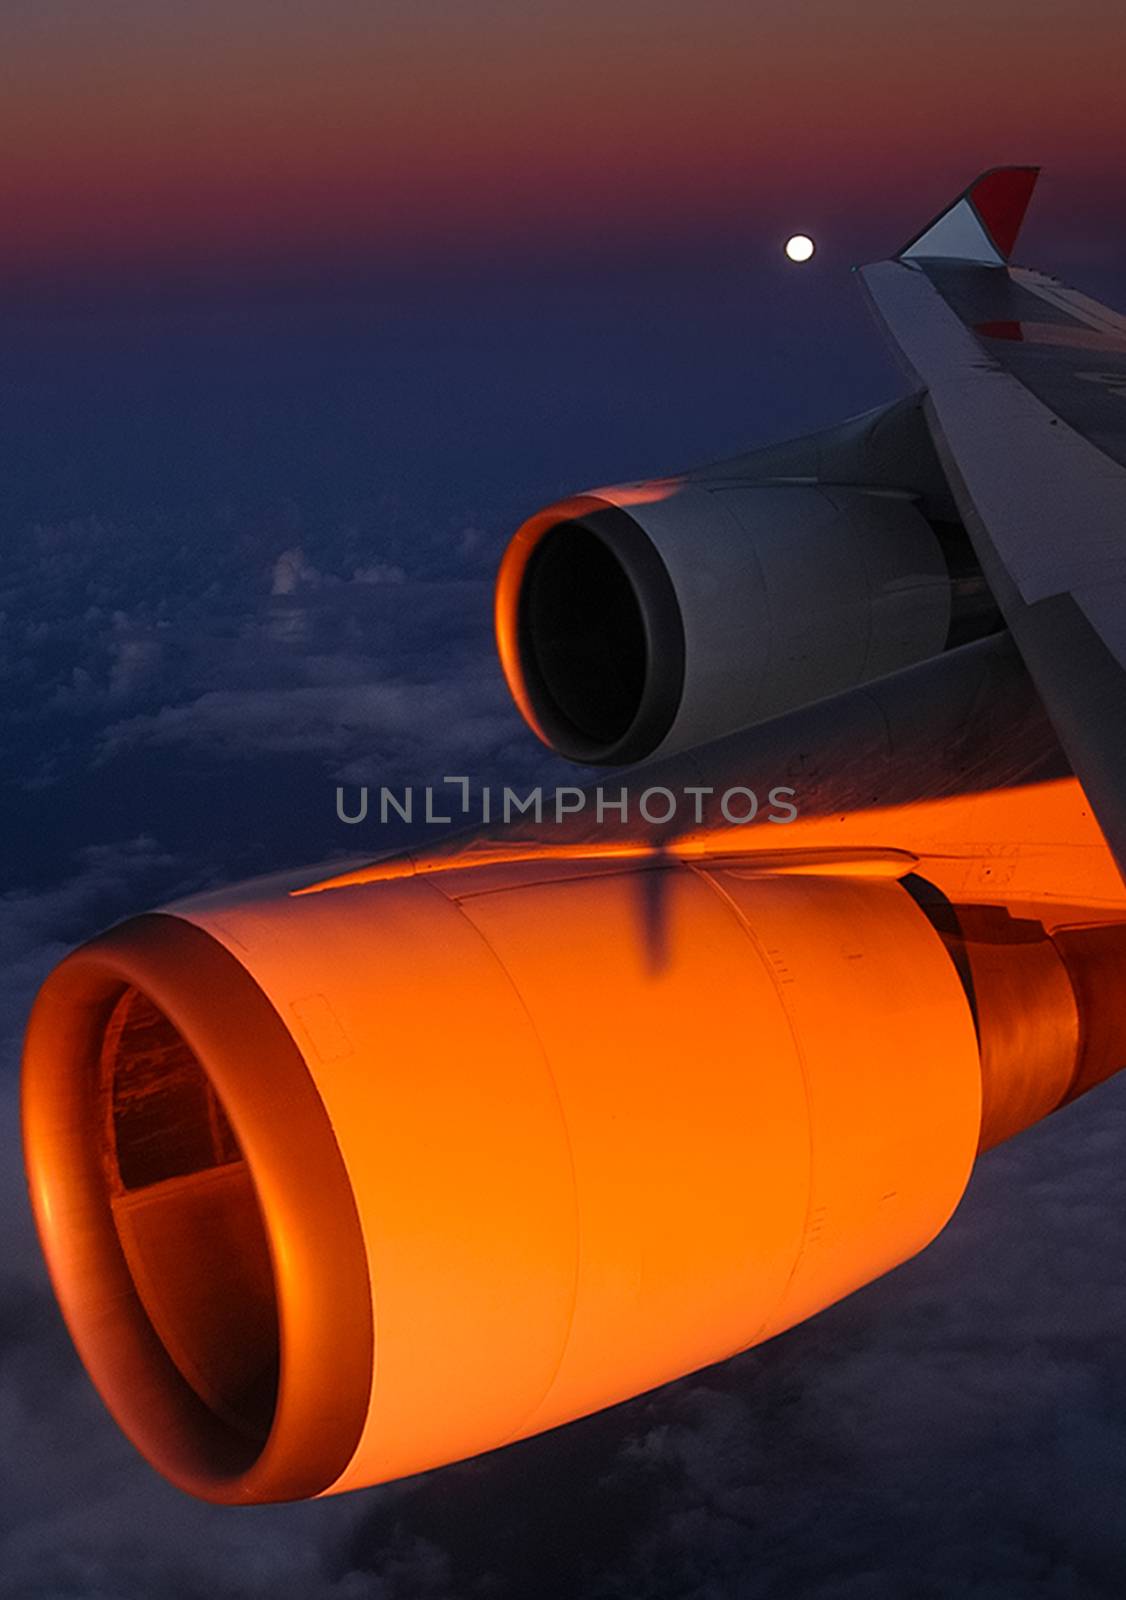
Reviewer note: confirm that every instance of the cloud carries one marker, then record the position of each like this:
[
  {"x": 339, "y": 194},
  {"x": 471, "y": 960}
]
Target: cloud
[
  {"x": 292, "y": 571},
  {"x": 379, "y": 572},
  {"x": 136, "y": 663},
  {"x": 38, "y": 926},
  {"x": 400, "y": 728}
]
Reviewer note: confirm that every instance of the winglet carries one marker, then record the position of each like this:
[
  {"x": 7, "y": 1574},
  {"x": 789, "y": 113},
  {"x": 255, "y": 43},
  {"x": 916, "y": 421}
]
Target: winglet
[{"x": 982, "y": 223}]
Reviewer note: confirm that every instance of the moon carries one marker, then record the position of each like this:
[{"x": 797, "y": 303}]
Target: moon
[{"x": 800, "y": 247}]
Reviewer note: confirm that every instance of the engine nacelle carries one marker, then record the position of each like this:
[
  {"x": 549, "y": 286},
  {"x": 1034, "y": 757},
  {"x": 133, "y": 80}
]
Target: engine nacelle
[
  {"x": 337, "y": 1187},
  {"x": 649, "y": 618}
]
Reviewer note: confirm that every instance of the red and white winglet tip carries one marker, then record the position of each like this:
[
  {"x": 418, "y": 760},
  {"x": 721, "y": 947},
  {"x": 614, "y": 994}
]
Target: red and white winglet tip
[{"x": 982, "y": 224}]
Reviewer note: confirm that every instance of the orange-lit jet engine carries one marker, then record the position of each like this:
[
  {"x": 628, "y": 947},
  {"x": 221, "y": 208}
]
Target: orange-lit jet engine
[
  {"x": 650, "y": 617},
  {"x": 338, "y": 1186}
]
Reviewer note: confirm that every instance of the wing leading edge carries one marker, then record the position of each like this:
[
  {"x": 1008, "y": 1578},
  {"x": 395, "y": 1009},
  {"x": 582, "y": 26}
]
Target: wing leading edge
[{"x": 1026, "y": 399}]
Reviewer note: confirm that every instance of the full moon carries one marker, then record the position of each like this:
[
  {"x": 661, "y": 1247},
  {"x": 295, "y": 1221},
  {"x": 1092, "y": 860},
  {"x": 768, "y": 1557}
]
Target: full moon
[{"x": 800, "y": 247}]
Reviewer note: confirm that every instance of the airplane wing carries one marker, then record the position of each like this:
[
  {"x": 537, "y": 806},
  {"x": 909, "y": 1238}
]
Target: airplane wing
[{"x": 1025, "y": 385}]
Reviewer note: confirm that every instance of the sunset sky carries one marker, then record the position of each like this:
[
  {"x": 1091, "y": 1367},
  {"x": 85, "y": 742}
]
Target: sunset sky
[{"x": 148, "y": 132}]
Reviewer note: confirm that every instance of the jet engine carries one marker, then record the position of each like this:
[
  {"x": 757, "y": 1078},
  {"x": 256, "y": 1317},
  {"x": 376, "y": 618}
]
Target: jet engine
[
  {"x": 646, "y": 618},
  {"x": 341, "y": 1186},
  {"x": 337, "y": 1184}
]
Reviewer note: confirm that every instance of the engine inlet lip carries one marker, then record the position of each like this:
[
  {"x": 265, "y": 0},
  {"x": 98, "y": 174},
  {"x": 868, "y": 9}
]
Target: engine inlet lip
[
  {"x": 319, "y": 1263},
  {"x": 661, "y": 618}
]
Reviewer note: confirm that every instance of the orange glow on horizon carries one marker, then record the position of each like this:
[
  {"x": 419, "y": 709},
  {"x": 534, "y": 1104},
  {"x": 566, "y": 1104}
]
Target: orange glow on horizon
[{"x": 215, "y": 134}]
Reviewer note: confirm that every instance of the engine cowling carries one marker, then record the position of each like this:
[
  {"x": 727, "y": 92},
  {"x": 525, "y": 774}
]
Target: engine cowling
[
  {"x": 647, "y": 618},
  {"x": 342, "y": 1178},
  {"x": 337, "y": 1187}
]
